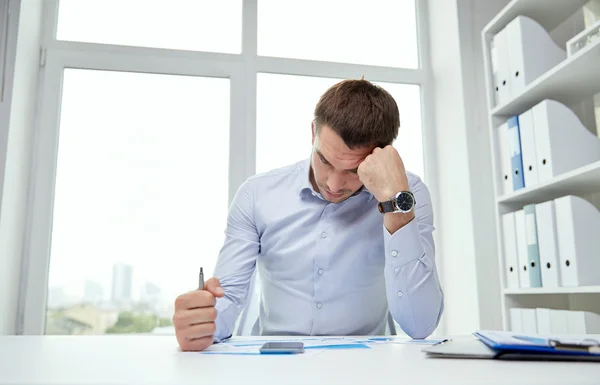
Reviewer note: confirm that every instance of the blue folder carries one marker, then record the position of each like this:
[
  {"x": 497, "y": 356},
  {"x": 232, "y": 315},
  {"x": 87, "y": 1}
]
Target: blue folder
[
  {"x": 518, "y": 346},
  {"x": 516, "y": 160}
]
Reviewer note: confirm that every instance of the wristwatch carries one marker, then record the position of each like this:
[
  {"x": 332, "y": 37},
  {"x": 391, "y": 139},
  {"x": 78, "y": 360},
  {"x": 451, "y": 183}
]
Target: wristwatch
[{"x": 402, "y": 202}]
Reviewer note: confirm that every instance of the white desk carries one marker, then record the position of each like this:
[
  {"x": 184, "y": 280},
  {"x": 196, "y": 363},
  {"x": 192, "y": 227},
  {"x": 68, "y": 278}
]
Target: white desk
[{"x": 128, "y": 360}]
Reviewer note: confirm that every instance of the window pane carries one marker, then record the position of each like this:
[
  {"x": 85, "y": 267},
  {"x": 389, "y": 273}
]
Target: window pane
[
  {"x": 199, "y": 25},
  {"x": 285, "y": 110},
  {"x": 378, "y": 32},
  {"x": 141, "y": 197}
]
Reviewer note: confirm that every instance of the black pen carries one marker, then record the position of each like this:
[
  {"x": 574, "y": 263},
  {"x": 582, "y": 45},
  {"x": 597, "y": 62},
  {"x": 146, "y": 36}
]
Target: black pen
[{"x": 201, "y": 280}]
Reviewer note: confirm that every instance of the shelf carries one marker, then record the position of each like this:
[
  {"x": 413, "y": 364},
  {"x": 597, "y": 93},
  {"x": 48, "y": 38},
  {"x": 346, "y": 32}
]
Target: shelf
[
  {"x": 549, "y": 13},
  {"x": 571, "y": 81},
  {"x": 584, "y": 180},
  {"x": 553, "y": 290}
]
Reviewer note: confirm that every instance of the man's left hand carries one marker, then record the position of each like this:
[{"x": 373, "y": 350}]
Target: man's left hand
[{"x": 383, "y": 174}]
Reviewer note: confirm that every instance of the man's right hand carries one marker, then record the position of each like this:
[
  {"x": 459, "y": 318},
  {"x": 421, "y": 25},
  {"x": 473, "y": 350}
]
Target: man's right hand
[{"x": 194, "y": 316}]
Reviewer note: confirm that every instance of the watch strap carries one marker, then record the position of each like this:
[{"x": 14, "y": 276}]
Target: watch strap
[{"x": 386, "y": 207}]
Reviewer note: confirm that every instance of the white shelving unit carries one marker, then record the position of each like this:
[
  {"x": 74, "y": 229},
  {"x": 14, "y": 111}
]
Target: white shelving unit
[
  {"x": 575, "y": 79},
  {"x": 582, "y": 181},
  {"x": 556, "y": 290}
]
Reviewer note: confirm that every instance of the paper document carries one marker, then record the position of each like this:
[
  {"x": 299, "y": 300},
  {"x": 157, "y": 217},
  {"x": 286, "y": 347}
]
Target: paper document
[
  {"x": 226, "y": 349},
  {"x": 251, "y": 347},
  {"x": 418, "y": 342},
  {"x": 311, "y": 344}
]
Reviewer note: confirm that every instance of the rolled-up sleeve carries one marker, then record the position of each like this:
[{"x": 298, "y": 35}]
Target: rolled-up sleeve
[
  {"x": 237, "y": 261},
  {"x": 414, "y": 294}
]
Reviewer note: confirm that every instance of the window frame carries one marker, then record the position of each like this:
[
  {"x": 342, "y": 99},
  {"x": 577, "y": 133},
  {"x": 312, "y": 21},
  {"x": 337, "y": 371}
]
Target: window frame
[{"x": 242, "y": 70}]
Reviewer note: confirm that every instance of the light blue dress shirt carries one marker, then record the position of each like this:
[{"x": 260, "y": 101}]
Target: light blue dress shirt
[{"x": 326, "y": 268}]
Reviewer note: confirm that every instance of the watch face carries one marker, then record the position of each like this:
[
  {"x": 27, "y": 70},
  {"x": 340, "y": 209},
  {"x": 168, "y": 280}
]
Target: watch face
[{"x": 405, "y": 202}]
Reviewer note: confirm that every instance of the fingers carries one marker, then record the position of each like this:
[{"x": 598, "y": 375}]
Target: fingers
[
  {"x": 185, "y": 318},
  {"x": 200, "y": 331},
  {"x": 195, "y": 299},
  {"x": 196, "y": 345},
  {"x": 195, "y": 328},
  {"x": 214, "y": 286}
]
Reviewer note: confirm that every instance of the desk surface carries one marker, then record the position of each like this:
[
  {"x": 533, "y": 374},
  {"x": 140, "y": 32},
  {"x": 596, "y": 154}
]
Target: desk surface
[{"x": 131, "y": 359}]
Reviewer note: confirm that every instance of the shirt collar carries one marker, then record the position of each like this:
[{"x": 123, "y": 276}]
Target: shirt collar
[{"x": 306, "y": 187}]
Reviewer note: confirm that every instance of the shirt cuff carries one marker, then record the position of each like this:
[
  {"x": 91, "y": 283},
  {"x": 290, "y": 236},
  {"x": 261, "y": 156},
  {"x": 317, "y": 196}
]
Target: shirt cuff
[
  {"x": 217, "y": 340},
  {"x": 404, "y": 245},
  {"x": 222, "y": 306}
]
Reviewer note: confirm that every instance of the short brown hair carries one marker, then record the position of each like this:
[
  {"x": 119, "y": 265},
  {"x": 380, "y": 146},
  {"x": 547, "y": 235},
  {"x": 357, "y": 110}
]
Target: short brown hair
[{"x": 360, "y": 112}]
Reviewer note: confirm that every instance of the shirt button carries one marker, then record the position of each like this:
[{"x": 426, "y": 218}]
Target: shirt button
[
  {"x": 320, "y": 271},
  {"x": 323, "y": 235},
  {"x": 397, "y": 269},
  {"x": 400, "y": 294},
  {"x": 394, "y": 253},
  {"x": 319, "y": 305}
]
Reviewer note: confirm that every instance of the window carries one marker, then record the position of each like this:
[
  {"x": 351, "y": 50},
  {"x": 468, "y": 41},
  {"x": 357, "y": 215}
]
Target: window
[
  {"x": 285, "y": 110},
  {"x": 377, "y": 32},
  {"x": 140, "y": 151},
  {"x": 200, "y": 25},
  {"x": 136, "y": 213}
]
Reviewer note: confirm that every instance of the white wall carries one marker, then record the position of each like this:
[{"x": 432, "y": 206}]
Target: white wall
[
  {"x": 14, "y": 186},
  {"x": 454, "y": 221},
  {"x": 473, "y": 15},
  {"x": 468, "y": 256}
]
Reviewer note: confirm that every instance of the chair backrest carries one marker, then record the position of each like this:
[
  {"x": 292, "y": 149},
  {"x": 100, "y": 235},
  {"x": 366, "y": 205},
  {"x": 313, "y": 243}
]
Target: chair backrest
[
  {"x": 391, "y": 325},
  {"x": 247, "y": 322}
]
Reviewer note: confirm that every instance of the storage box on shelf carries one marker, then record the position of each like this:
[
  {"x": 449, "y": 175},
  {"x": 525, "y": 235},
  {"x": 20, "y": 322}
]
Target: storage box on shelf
[
  {"x": 547, "y": 168},
  {"x": 585, "y": 38}
]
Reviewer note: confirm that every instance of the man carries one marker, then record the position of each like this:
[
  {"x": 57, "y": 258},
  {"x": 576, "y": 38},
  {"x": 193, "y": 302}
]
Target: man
[{"x": 339, "y": 239}]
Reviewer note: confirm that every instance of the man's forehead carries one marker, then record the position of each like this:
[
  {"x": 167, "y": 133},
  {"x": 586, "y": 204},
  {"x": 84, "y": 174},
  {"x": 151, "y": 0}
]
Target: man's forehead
[
  {"x": 341, "y": 153},
  {"x": 342, "y": 162}
]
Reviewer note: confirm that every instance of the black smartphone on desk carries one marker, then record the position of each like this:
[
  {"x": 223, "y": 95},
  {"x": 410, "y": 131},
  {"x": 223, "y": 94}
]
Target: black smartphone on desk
[{"x": 282, "y": 348}]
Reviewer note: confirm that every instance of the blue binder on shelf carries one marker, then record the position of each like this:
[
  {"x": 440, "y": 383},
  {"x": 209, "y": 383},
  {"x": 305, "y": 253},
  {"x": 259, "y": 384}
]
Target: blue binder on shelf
[{"x": 516, "y": 159}]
